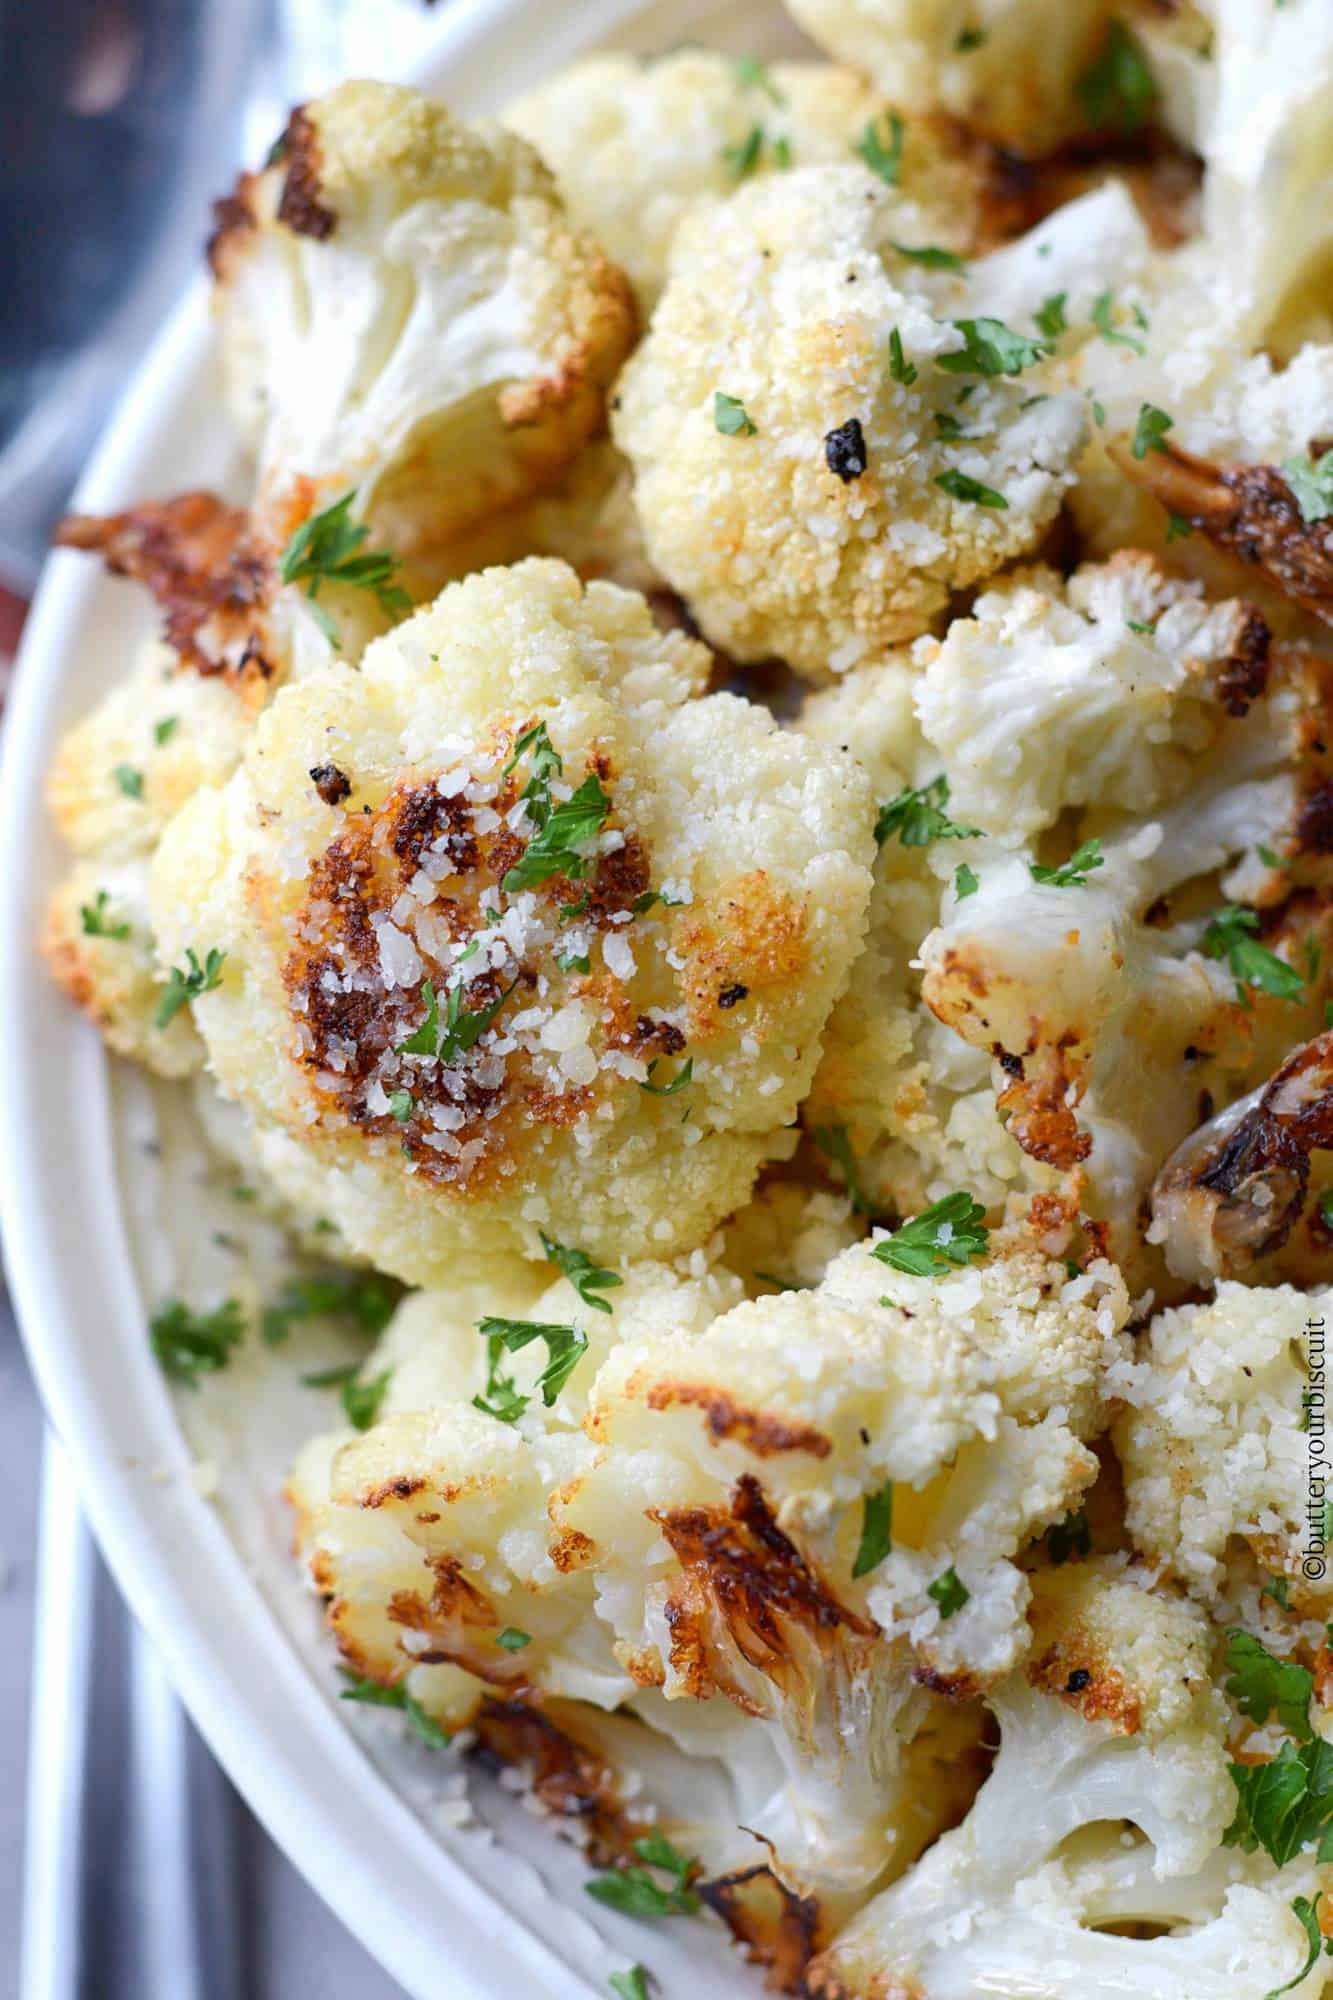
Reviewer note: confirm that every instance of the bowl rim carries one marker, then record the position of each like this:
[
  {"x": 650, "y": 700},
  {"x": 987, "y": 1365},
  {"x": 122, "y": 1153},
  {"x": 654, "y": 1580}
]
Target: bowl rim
[{"x": 302, "y": 1772}]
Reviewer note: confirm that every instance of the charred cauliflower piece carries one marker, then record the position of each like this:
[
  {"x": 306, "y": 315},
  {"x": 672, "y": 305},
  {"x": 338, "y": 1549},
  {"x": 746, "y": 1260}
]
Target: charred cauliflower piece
[
  {"x": 829, "y": 434},
  {"x": 1014, "y": 70},
  {"x": 518, "y": 936},
  {"x": 1112, "y": 1719},
  {"x": 404, "y": 310},
  {"x": 1214, "y": 1442},
  {"x": 635, "y": 145}
]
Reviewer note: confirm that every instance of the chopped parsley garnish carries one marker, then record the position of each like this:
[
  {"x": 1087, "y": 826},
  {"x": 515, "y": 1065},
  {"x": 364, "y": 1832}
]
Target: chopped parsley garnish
[
  {"x": 402, "y": 1106},
  {"x": 1150, "y": 430},
  {"x": 1230, "y": 935},
  {"x": 129, "y": 780},
  {"x": 363, "y": 1297},
  {"x": 651, "y": 898},
  {"x": 1308, "y": 1913},
  {"x": 375, "y": 1696},
  {"x": 565, "y": 1346},
  {"x": 511, "y": 1640},
  {"x": 1074, "y": 873},
  {"x": 1279, "y": 1589},
  {"x": 1311, "y": 481},
  {"x": 930, "y": 254},
  {"x": 361, "y": 1400},
  {"x": 93, "y": 917},
  {"x": 961, "y": 486},
  {"x": 1326, "y": 1217},
  {"x": 730, "y": 416},
  {"x": 949, "y": 1592},
  {"x": 637, "y": 1892},
  {"x": 969, "y": 38},
  {"x": 326, "y": 548},
  {"x": 1260, "y": 1684},
  {"x": 881, "y": 146},
  {"x": 631, "y": 1985},
  {"x": 742, "y": 158},
  {"x": 1145, "y": 627},
  {"x": 544, "y": 763},
  {"x": 554, "y": 848},
  {"x": 1070, "y": 1537},
  {"x": 751, "y": 74},
  {"x": 949, "y": 427},
  {"x": 1102, "y": 308},
  {"x": 164, "y": 730},
  {"x": 1177, "y": 527},
  {"x": 918, "y": 817},
  {"x": 183, "y": 986},
  {"x": 587, "y": 1278},
  {"x": 964, "y": 881},
  {"x": 990, "y": 348},
  {"x": 833, "y": 1142},
  {"x": 1117, "y": 90},
  {"x": 1286, "y": 1804},
  {"x": 189, "y": 1344},
  {"x": 900, "y": 368},
  {"x": 1050, "y": 316},
  {"x": 573, "y": 961},
  {"x": 948, "y": 1234},
  {"x": 876, "y": 1530},
  {"x": 459, "y": 1031},
  {"x": 678, "y": 1081}
]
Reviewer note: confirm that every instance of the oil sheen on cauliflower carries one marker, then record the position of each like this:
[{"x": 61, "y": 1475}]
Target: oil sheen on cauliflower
[
  {"x": 828, "y": 434},
  {"x": 404, "y": 310},
  {"x": 542, "y": 943},
  {"x": 1113, "y": 1718},
  {"x": 635, "y": 145}
]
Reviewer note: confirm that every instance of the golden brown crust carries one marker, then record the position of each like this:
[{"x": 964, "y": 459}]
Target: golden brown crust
[
  {"x": 748, "y": 937},
  {"x": 773, "y": 1926},
  {"x": 299, "y": 204},
  {"x": 762, "y": 1434}
]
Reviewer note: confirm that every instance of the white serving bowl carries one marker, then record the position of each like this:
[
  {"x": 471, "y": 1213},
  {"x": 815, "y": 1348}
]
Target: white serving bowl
[{"x": 83, "y": 1161}]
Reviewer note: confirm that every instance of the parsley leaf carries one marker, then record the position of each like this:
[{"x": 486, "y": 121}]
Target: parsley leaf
[
  {"x": 931, "y": 256},
  {"x": 636, "y": 1892},
  {"x": 900, "y": 368},
  {"x": 990, "y": 348},
  {"x": 1286, "y": 1804},
  {"x": 1311, "y": 481},
  {"x": 678, "y": 1081},
  {"x": 1260, "y": 1683},
  {"x": 1230, "y": 935},
  {"x": 544, "y": 763},
  {"x": 834, "y": 1144},
  {"x": 948, "y": 1233},
  {"x": 189, "y": 984},
  {"x": 363, "y": 1297},
  {"x": 189, "y": 1344},
  {"x": 511, "y": 1640},
  {"x": 961, "y": 486},
  {"x": 459, "y": 1031},
  {"x": 93, "y": 917},
  {"x": 361, "y": 1400},
  {"x": 631, "y": 1985},
  {"x": 1150, "y": 430},
  {"x": 881, "y": 146},
  {"x": 1177, "y": 527},
  {"x": 129, "y": 780},
  {"x": 918, "y": 817},
  {"x": 1069, "y": 1537},
  {"x": 949, "y": 1592},
  {"x": 751, "y": 74},
  {"x": 1050, "y": 316},
  {"x": 1074, "y": 873},
  {"x": 565, "y": 1347},
  {"x": 729, "y": 415},
  {"x": 326, "y": 548},
  {"x": 376, "y": 1696},
  {"x": 164, "y": 730},
  {"x": 742, "y": 158},
  {"x": 876, "y": 1530},
  {"x": 1117, "y": 90},
  {"x": 964, "y": 881},
  {"x": 553, "y": 849},
  {"x": 1308, "y": 1912},
  {"x": 970, "y": 38},
  {"x": 587, "y": 1278},
  {"x": 1102, "y": 307}
]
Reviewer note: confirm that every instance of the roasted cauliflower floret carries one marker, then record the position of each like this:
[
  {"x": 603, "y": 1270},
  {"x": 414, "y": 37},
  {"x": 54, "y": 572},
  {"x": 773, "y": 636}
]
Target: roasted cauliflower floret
[
  {"x": 1214, "y": 1443},
  {"x": 405, "y": 311},
  {"x": 1113, "y": 1718},
  {"x": 99, "y": 949},
  {"x": 543, "y": 943},
  {"x": 635, "y": 145},
  {"x": 1015, "y": 70},
  {"x": 805, "y": 472}
]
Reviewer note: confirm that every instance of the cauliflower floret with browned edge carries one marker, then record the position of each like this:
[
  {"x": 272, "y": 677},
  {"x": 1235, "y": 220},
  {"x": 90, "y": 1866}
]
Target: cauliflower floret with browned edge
[
  {"x": 1214, "y": 1444},
  {"x": 1009, "y": 68},
  {"x": 1113, "y": 1718},
  {"x": 635, "y": 145},
  {"x": 405, "y": 310},
  {"x": 829, "y": 434},
  {"x": 557, "y": 952}
]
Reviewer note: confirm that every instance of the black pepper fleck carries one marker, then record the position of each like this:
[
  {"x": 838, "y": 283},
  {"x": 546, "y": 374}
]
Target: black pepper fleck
[
  {"x": 1078, "y": 1680},
  {"x": 332, "y": 784},
  {"x": 845, "y": 451},
  {"x": 730, "y": 995},
  {"x": 1011, "y": 1065}
]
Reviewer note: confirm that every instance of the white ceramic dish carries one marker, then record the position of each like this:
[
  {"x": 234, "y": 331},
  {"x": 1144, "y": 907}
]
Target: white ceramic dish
[{"x": 450, "y": 1912}]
